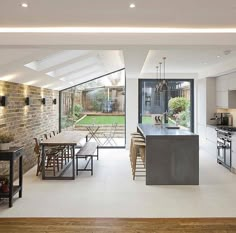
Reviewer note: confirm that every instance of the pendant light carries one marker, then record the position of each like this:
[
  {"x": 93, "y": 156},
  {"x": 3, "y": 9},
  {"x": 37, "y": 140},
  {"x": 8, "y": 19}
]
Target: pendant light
[
  {"x": 164, "y": 86},
  {"x": 160, "y": 82}
]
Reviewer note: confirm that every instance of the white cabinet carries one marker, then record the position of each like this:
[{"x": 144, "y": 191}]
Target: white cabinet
[
  {"x": 222, "y": 83},
  {"x": 233, "y": 159},
  {"x": 232, "y": 81},
  {"x": 226, "y": 91},
  {"x": 211, "y": 142},
  {"x": 211, "y": 134},
  {"x": 222, "y": 99},
  {"x": 226, "y": 99}
]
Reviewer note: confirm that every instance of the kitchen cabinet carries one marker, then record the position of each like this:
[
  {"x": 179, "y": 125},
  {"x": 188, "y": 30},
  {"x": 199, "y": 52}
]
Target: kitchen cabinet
[
  {"x": 211, "y": 140},
  {"x": 233, "y": 159},
  {"x": 211, "y": 134},
  {"x": 226, "y": 99},
  {"x": 222, "y": 83},
  {"x": 232, "y": 81}
]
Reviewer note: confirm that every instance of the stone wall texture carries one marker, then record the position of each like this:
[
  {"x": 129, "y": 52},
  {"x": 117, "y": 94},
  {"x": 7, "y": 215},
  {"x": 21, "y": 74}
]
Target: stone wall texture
[{"x": 27, "y": 122}]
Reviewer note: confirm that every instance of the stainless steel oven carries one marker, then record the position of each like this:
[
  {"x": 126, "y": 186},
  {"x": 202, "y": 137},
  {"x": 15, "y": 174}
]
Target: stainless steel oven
[{"x": 224, "y": 148}]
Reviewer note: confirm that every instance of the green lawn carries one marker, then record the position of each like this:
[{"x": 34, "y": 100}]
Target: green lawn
[
  {"x": 147, "y": 120},
  {"x": 102, "y": 120}
]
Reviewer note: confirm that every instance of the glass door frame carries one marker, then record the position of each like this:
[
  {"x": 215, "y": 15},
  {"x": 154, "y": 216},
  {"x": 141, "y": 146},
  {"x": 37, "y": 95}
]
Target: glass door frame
[
  {"x": 191, "y": 81},
  {"x": 125, "y": 89}
]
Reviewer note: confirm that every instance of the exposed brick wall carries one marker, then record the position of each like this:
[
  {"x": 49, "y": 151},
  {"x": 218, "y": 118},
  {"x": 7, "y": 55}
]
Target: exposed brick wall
[{"x": 27, "y": 122}]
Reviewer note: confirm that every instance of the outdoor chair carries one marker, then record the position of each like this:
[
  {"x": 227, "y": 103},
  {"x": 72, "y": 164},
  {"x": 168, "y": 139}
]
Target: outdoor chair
[{"x": 109, "y": 136}]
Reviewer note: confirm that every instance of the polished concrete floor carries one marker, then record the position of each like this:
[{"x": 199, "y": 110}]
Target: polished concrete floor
[{"x": 111, "y": 192}]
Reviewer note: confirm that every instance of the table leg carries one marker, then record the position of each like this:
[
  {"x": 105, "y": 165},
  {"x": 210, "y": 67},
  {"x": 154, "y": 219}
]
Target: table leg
[
  {"x": 73, "y": 162},
  {"x": 43, "y": 162},
  {"x": 20, "y": 176},
  {"x": 11, "y": 182}
]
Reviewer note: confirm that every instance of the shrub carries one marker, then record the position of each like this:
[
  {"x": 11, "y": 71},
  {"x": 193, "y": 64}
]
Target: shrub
[
  {"x": 178, "y": 104},
  {"x": 78, "y": 109}
]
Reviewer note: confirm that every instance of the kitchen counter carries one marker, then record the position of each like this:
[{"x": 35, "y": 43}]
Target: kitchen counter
[
  {"x": 172, "y": 155},
  {"x": 158, "y": 130}
]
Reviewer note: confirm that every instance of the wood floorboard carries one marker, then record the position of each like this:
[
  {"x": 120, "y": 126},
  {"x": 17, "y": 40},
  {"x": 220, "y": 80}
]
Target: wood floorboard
[{"x": 117, "y": 225}]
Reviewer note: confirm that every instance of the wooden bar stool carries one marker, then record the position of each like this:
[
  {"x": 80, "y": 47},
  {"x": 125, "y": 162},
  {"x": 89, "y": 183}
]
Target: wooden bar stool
[
  {"x": 137, "y": 137},
  {"x": 138, "y": 151}
]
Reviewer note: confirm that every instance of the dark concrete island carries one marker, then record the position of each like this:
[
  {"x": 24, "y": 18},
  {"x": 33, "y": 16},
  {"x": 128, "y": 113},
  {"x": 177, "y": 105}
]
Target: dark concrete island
[{"x": 172, "y": 155}]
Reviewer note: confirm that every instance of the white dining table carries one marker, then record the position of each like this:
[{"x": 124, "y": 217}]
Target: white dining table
[{"x": 70, "y": 139}]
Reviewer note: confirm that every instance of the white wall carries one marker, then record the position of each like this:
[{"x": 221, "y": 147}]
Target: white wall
[{"x": 131, "y": 108}]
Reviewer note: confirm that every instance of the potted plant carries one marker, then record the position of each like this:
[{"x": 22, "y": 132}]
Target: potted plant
[{"x": 5, "y": 140}]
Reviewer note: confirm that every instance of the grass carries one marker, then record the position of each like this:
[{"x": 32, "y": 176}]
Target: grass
[
  {"x": 102, "y": 120},
  {"x": 148, "y": 120}
]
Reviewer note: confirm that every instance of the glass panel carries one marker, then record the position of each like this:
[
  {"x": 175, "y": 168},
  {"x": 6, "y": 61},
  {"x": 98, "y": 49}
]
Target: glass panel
[
  {"x": 97, "y": 106},
  {"x": 175, "y": 103}
]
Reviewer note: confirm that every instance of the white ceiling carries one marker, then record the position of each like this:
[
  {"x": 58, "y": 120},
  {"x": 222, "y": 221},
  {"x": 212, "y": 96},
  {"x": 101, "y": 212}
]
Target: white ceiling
[
  {"x": 61, "y": 59},
  {"x": 57, "y": 69},
  {"x": 148, "y": 13}
]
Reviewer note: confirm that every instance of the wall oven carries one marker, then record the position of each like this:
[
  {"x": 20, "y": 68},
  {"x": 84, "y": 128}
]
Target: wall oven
[{"x": 224, "y": 147}]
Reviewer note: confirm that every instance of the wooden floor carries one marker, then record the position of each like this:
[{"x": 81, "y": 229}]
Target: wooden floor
[{"x": 116, "y": 225}]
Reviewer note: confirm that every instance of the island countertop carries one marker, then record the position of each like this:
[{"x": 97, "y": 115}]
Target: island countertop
[
  {"x": 158, "y": 130},
  {"x": 171, "y": 155}
]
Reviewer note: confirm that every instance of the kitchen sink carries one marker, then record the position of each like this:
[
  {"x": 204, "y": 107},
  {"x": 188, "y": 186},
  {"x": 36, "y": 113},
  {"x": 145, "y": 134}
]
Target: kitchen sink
[{"x": 172, "y": 127}]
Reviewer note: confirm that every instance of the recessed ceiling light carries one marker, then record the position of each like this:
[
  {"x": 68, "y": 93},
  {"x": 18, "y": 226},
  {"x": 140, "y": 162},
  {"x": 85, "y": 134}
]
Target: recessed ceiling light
[
  {"x": 24, "y": 4},
  {"x": 132, "y": 5},
  {"x": 218, "y": 56}
]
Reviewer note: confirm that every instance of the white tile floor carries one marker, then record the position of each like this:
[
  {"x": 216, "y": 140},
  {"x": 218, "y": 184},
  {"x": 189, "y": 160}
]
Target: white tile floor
[{"x": 111, "y": 192}]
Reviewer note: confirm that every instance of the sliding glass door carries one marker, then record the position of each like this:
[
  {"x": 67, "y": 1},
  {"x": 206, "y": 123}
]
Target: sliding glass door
[
  {"x": 176, "y": 103},
  {"x": 97, "y": 107}
]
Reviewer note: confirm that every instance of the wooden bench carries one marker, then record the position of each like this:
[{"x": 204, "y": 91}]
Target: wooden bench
[{"x": 86, "y": 151}]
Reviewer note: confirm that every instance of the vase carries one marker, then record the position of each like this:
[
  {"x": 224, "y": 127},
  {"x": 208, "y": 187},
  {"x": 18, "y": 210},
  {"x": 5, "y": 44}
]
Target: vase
[{"x": 4, "y": 146}]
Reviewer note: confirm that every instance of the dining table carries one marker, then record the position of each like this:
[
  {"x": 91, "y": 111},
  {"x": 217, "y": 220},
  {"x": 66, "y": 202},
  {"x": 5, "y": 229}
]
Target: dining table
[{"x": 69, "y": 139}]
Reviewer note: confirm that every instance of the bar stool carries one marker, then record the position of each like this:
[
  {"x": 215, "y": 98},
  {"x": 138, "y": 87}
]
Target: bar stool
[
  {"x": 138, "y": 137},
  {"x": 137, "y": 158},
  {"x": 137, "y": 154}
]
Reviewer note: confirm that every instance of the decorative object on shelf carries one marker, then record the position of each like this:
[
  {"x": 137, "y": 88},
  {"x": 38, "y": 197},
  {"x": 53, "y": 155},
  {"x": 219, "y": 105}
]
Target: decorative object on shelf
[
  {"x": 3, "y": 101},
  {"x": 5, "y": 140},
  {"x": 54, "y": 101},
  {"x": 44, "y": 101},
  {"x": 4, "y": 185},
  {"x": 27, "y": 101},
  {"x": 161, "y": 83},
  {"x": 157, "y": 119}
]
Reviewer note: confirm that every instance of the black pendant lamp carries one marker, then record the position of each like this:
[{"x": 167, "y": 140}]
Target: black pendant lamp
[
  {"x": 164, "y": 86},
  {"x": 160, "y": 81}
]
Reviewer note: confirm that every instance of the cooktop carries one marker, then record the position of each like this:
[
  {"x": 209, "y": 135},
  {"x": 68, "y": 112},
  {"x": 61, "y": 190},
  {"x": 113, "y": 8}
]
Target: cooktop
[{"x": 227, "y": 128}]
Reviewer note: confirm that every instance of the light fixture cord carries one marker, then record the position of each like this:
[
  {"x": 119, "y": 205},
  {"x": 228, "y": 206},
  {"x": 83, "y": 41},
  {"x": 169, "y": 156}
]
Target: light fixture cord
[
  {"x": 164, "y": 65},
  {"x": 160, "y": 71}
]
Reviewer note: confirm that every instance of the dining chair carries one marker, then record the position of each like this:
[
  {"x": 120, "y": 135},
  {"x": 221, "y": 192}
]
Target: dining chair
[
  {"x": 37, "y": 151},
  {"x": 109, "y": 137}
]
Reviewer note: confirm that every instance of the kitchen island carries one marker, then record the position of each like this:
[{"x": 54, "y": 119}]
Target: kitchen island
[{"x": 172, "y": 155}]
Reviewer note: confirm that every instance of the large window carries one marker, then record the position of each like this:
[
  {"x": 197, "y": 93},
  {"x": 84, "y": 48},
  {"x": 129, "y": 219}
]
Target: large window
[
  {"x": 176, "y": 102},
  {"x": 97, "y": 106}
]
